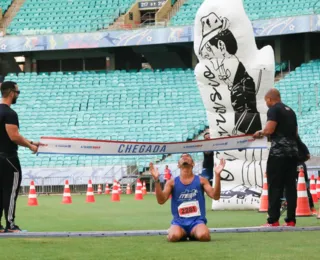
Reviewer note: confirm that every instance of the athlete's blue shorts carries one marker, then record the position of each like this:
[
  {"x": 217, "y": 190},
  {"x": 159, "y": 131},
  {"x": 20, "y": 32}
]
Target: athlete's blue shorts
[{"x": 187, "y": 227}]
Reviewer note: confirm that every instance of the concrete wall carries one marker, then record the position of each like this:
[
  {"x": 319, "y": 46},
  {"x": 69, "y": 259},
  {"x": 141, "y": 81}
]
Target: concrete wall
[
  {"x": 134, "y": 10},
  {"x": 162, "y": 14}
]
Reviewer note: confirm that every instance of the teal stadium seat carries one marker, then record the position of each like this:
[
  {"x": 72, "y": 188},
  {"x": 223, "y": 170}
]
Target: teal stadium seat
[
  {"x": 61, "y": 16},
  {"x": 301, "y": 90},
  {"x": 256, "y": 9},
  {"x": 160, "y": 106},
  {"x": 4, "y": 5}
]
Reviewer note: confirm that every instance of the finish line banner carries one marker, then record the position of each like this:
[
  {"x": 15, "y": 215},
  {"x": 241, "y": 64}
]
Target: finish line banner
[{"x": 53, "y": 145}]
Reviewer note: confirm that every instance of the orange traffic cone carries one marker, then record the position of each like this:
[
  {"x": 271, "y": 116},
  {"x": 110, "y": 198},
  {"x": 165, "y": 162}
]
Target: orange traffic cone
[
  {"x": 318, "y": 217},
  {"x": 66, "y": 193},
  {"x": 99, "y": 189},
  {"x": 33, "y": 201},
  {"x": 128, "y": 189},
  {"x": 107, "y": 191},
  {"x": 264, "y": 196},
  {"x": 90, "y": 195},
  {"x": 138, "y": 193},
  {"x": 318, "y": 187},
  {"x": 115, "y": 192},
  {"x": 144, "y": 188},
  {"x": 303, "y": 207},
  {"x": 313, "y": 189}
]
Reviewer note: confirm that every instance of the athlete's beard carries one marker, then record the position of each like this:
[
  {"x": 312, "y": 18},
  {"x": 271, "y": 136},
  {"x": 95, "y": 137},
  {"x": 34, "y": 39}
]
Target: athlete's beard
[
  {"x": 14, "y": 100},
  {"x": 186, "y": 169},
  {"x": 186, "y": 165}
]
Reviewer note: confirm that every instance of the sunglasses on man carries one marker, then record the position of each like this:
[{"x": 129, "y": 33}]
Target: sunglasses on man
[{"x": 16, "y": 91}]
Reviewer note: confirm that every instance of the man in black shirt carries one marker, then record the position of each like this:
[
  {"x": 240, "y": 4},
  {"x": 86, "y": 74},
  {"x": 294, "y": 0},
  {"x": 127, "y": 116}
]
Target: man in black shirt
[
  {"x": 207, "y": 165},
  {"x": 282, "y": 128},
  {"x": 10, "y": 169}
]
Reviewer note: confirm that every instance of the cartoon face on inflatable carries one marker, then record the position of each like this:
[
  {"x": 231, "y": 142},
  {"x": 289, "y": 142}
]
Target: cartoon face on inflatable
[{"x": 233, "y": 76}]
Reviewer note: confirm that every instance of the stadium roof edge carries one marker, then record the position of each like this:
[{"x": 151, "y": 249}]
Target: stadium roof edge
[{"x": 146, "y": 36}]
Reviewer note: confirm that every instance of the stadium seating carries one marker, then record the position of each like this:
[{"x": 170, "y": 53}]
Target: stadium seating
[
  {"x": 255, "y": 9},
  {"x": 4, "y": 5},
  {"x": 301, "y": 90},
  {"x": 133, "y": 106},
  {"x": 61, "y": 16}
]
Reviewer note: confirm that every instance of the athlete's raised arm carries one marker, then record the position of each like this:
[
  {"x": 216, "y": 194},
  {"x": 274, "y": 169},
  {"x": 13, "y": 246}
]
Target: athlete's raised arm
[
  {"x": 214, "y": 193},
  {"x": 162, "y": 195}
]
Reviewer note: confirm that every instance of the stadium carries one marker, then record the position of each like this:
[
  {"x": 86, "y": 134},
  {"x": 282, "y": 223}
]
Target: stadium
[{"x": 94, "y": 74}]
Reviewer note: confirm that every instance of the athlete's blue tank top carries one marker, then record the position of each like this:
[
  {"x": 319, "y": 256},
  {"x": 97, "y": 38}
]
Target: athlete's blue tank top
[{"x": 190, "y": 199}]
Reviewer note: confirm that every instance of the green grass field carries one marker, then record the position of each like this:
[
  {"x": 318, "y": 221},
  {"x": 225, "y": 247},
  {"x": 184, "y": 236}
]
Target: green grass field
[{"x": 129, "y": 214}]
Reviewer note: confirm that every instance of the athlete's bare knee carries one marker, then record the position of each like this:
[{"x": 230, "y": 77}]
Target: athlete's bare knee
[
  {"x": 204, "y": 236},
  {"x": 201, "y": 233},
  {"x": 175, "y": 234},
  {"x": 174, "y": 237}
]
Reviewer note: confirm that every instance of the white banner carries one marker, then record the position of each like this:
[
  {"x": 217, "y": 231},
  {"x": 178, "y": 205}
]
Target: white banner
[
  {"x": 52, "y": 145},
  {"x": 233, "y": 77}
]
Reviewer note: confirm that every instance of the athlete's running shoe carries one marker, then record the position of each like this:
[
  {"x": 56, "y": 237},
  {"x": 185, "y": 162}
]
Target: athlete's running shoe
[
  {"x": 289, "y": 224},
  {"x": 275, "y": 224},
  {"x": 14, "y": 229}
]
